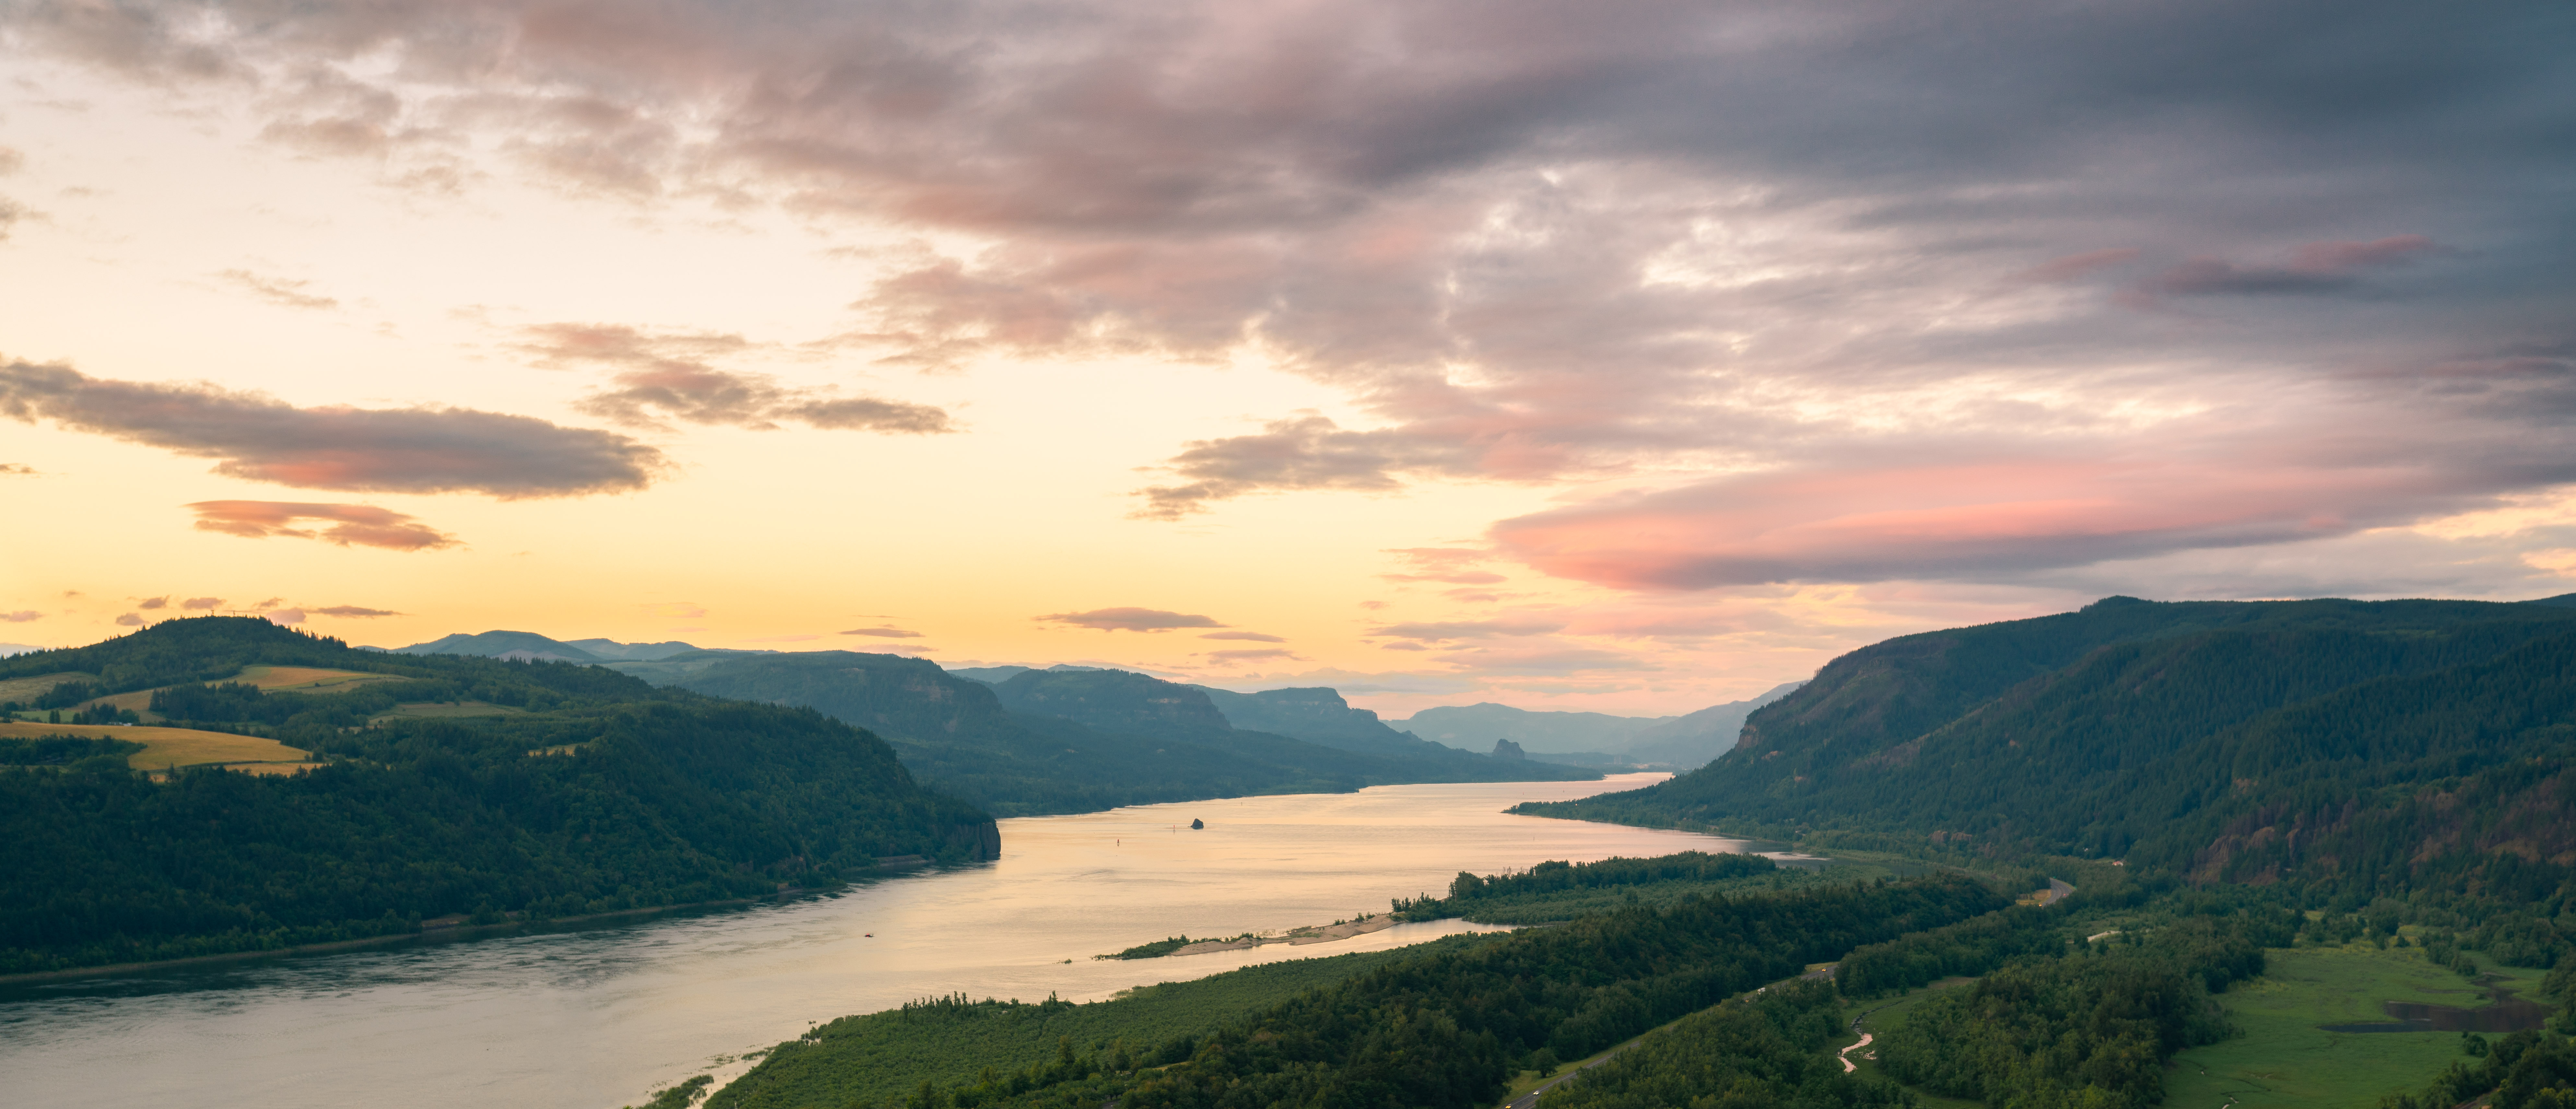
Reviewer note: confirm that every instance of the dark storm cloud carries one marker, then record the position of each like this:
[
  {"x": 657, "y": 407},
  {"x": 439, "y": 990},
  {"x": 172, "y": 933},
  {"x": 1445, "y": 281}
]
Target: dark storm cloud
[
  {"x": 1543, "y": 242},
  {"x": 396, "y": 450}
]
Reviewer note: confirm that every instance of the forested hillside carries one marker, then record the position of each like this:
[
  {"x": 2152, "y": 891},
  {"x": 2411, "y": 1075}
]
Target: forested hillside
[
  {"x": 2367, "y": 748},
  {"x": 463, "y": 785},
  {"x": 1065, "y": 741}
]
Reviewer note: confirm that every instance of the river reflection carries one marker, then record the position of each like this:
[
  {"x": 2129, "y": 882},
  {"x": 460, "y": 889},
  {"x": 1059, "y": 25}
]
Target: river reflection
[{"x": 594, "y": 1017}]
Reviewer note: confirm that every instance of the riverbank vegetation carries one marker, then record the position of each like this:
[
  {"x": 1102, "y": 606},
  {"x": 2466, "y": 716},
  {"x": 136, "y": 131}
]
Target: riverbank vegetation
[
  {"x": 1449, "y": 1027},
  {"x": 2121, "y": 996},
  {"x": 883, "y": 1058},
  {"x": 660, "y": 797},
  {"x": 1556, "y": 890}
]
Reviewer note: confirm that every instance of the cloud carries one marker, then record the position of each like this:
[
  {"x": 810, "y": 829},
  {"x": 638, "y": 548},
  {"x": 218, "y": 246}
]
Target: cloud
[
  {"x": 1256, "y": 654},
  {"x": 397, "y": 450},
  {"x": 284, "y": 615},
  {"x": 1991, "y": 518},
  {"x": 676, "y": 610},
  {"x": 2078, "y": 266},
  {"x": 149, "y": 603},
  {"x": 1444, "y": 564},
  {"x": 1253, "y": 637},
  {"x": 1130, "y": 620},
  {"x": 781, "y": 638},
  {"x": 129, "y": 620},
  {"x": 884, "y": 633},
  {"x": 1444, "y": 631},
  {"x": 2313, "y": 268},
  {"x": 670, "y": 377},
  {"x": 279, "y": 291},
  {"x": 22, "y": 616},
  {"x": 1547, "y": 660},
  {"x": 1668, "y": 246},
  {"x": 359, "y": 525},
  {"x": 16, "y": 469},
  {"x": 201, "y": 604},
  {"x": 1306, "y": 452},
  {"x": 352, "y": 612}
]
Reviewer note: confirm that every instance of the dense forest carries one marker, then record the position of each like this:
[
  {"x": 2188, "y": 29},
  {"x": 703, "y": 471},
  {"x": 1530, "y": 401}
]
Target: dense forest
[
  {"x": 1557, "y": 890},
  {"x": 567, "y": 790},
  {"x": 1446, "y": 1028},
  {"x": 2415, "y": 750},
  {"x": 1072, "y": 741}
]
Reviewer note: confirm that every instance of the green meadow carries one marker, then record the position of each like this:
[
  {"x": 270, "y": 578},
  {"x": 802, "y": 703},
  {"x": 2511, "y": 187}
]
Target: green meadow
[{"x": 2285, "y": 1059}]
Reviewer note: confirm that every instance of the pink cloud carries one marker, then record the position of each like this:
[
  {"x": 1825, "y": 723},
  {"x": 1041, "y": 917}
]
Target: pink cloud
[
  {"x": 2313, "y": 268},
  {"x": 1941, "y": 520},
  {"x": 358, "y": 525},
  {"x": 2076, "y": 266}
]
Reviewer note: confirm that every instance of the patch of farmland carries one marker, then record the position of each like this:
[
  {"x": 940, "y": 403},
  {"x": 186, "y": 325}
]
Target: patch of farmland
[
  {"x": 23, "y": 690},
  {"x": 168, "y": 747},
  {"x": 306, "y": 679}
]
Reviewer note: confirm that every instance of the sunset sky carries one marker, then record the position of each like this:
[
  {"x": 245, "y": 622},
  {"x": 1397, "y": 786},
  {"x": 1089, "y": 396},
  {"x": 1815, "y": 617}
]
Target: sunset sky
[{"x": 1628, "y": 357}]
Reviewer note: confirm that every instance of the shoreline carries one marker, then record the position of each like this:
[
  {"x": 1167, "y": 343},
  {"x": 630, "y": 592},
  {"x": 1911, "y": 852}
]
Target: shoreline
[{"x": 390, "y": 940}]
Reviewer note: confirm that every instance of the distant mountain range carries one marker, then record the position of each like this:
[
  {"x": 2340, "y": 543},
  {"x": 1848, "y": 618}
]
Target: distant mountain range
[
  {"x": 1316, "y": 715},
  {"x": 1592, "y": 738},
  {"x": 531, "y": 647},
  {"x": 1023, "y": 741}
]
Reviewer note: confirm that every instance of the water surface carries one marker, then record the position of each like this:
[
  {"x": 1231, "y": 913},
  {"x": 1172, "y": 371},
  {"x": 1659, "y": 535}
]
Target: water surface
[{"x": 593, "y": 1018}]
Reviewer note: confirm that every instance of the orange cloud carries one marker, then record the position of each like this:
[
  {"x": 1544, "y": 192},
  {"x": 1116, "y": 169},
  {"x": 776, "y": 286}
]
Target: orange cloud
[
  {"x": 1130, "y": 620},
  {"x": 403, "y": 450},
  {"x": 358, "y": 525}
]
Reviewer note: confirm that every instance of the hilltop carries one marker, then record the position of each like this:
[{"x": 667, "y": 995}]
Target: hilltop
[{"x": 414, "y": 788}]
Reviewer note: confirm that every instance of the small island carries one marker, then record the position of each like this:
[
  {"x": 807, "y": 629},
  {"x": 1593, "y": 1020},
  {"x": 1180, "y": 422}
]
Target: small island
[{"x": 1320, "y": 933}]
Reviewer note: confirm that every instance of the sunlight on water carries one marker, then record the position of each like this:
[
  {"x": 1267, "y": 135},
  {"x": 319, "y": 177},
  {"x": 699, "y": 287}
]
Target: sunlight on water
[{"x": 593, "y": 1018}]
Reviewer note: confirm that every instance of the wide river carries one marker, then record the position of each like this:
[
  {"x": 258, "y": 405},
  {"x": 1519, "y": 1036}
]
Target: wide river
[{"x": 595, "y": 1018}]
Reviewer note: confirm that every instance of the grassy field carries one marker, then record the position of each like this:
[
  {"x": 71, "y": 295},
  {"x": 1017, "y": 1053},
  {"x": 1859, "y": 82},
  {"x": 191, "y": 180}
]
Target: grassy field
[
  {"x": 305, "y": 679},
  {"x": 165, "y": 747},
  {"x": 447, "y": 708},
  {"x": 2284, "y": 1058},
  {"x": 23, "y": 690}
]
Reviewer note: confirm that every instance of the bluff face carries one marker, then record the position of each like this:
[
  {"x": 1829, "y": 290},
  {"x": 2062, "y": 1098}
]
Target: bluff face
[{"x": 2258, "y": 741}]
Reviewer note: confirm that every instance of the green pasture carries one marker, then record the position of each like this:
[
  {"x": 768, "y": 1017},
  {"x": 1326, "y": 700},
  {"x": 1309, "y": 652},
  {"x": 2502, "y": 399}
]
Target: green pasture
[{"x": 2284, "y": 1059}]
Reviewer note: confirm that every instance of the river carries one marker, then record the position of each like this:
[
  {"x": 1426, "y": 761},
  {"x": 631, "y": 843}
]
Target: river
[{"x": 593, "y": 1018}]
